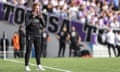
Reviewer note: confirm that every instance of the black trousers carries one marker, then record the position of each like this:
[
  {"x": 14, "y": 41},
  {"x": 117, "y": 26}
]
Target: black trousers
[
  {"x": 22, "y": 45},
  {"x": 36, "y": 41},
  {"x": 43, "y": 49},
  {"x": 61, "y": 49},
  {"x": 74, "y": 47},
  {"x": 109, "y": 47},
  {"x": 16, "y": 53},
  {"x": 2, "y": 49},
  {"x": 118, "y": 49}
]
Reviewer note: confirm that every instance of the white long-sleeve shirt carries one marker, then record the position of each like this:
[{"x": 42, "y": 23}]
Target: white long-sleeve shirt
[
  {"x": 117, "y": 39},
  {"x": 110, "y": 36}
]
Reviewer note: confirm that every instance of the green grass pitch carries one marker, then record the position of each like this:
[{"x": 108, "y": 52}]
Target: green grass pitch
[{"x": 71, "y": 64}]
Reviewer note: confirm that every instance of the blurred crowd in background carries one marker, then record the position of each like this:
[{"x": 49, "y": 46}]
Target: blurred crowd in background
[{"x": 102, "y": 13}]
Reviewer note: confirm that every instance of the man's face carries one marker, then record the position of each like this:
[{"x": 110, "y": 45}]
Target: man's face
[
  {"x": 37, "y": 8},
  {"x": 73, "y": 28},
  {"x": 64, "y": 29}
]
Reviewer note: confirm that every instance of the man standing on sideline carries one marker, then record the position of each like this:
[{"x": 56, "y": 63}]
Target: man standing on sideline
[
  {"x": 4, "y": 37},
  {"x": 75, "y": 41},
  {"x": 110, "y": 38},
  {"x": 44, "y": 39},
  {"x": 21, "y": 40},
  {"x": 16, "y": 44},
  {"x": 34, "y": 26},
  {"x": 62, "y": 36},
  {"x": 117, "y": 40}
]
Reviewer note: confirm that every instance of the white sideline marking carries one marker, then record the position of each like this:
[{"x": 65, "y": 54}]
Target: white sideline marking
[{"x": 57, "y": 69}]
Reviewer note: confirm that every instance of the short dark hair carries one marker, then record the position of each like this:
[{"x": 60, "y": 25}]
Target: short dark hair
[{"x": 34, "y": 5}]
